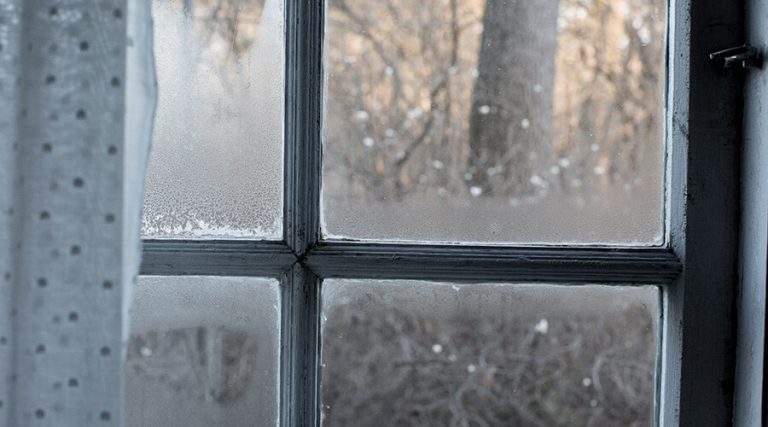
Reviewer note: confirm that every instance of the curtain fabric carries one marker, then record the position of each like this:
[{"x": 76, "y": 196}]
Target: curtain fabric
[{"x": 77, "y": 96}]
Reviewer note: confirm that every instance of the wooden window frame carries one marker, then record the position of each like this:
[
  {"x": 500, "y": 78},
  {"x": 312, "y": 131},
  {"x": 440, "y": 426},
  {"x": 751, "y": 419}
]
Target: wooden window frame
[{"x": 696, "y": 268}]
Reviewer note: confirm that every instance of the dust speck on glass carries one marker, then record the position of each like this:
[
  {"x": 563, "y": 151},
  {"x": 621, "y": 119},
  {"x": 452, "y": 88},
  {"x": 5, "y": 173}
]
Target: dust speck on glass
[
  {"x": 494, "y": 121},
  {"x": 216, "y": 166}
]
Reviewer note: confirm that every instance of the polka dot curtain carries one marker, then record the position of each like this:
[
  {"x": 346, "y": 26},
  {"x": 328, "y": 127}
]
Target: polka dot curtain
[{"x": 77, "y": 96}]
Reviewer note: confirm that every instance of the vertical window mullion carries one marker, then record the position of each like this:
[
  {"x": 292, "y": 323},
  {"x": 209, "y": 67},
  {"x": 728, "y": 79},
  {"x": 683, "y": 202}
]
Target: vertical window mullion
[
  {"x": 703, "y": 130},
  {"x": 299, "y": 349},
  {"x": 303, "y": 173},
  {"x": 303, "y": 144}
]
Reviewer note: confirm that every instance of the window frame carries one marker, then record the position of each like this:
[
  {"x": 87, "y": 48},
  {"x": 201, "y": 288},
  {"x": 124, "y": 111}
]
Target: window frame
[{"x": 696, "y": 269}]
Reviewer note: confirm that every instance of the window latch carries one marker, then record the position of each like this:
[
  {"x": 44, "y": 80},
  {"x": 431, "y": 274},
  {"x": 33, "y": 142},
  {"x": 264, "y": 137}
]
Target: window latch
[{"x": 745, "y": 56}]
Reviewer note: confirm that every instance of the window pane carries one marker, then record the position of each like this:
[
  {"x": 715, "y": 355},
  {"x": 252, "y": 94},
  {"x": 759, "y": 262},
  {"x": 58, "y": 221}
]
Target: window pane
[
  {"x": 203, "y": 351},
  {"x": 216, "y": 164},
  {"x": 494, "y": 121},
  {"x": 421, "y": 353}
]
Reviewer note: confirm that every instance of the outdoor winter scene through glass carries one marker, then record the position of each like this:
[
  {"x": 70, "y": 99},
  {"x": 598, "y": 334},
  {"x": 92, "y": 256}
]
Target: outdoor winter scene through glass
[
  {"x": 216, "y": 168},
  {"x": 494, "y": 121},
  {"x": 406, "y": 353},
  {"x": 203, "y": 351}
]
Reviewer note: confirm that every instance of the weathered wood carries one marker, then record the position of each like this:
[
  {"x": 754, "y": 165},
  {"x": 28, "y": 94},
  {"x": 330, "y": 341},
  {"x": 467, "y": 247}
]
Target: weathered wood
[
  {"x": 303, "y": 117},
  {"x": 300, "y": 348},
  {"x": 703, "y": 127},
  {"x": 216, "y": 258},
  {"x": 303, "y": 177},
  {"x": 493, "y": 263}
]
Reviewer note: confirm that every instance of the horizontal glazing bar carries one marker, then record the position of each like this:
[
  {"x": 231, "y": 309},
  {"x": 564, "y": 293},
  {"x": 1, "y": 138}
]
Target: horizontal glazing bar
[
  {"x": 484, "y": 263},
  {"x": 216, "y": 258}
]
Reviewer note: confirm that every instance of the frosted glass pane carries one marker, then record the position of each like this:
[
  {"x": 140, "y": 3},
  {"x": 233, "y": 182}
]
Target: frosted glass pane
[
  {"x": 494, "y": 121},
  {"x": 203, "y": 351},
  {"x": 216, "y": 164},
  {"x": 433, "y": 354}
]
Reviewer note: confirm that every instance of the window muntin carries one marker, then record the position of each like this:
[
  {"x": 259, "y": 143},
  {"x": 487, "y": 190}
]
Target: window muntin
[
  {"x": 419, "y": 94},
  {"x": 216, "y": 169}
]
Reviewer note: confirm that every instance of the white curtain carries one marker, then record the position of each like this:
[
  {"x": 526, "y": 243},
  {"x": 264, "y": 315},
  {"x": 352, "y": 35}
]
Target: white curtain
[{"x": 77, "y": 97}]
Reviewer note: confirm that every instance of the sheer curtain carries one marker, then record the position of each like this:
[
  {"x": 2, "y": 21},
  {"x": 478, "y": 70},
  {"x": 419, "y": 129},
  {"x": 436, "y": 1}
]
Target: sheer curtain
[{"x": 77, "y": 97}]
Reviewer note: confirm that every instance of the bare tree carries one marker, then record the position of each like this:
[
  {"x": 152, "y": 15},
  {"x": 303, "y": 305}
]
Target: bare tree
[{"x": 511, "y": 116}]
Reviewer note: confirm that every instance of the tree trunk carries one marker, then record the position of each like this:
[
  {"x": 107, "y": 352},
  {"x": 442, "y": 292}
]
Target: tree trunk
[{"x": 511, "y": 117}]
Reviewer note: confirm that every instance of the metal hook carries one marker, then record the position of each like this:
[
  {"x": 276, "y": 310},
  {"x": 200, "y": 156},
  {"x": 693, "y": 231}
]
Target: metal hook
[{"x": 747, "y": 56}]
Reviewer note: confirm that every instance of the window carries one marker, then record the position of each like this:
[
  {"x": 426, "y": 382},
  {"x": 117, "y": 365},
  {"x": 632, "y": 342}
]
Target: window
[
  {"x": 311, "y": 241},
  {"x": 203, "y": 351}
]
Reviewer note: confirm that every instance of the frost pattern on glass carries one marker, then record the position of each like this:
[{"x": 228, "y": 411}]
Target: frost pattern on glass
[
  {"x": 216, "y": 164},
  {"x": 421, "y": 353},
  {"x": 203, "y": 351},
  {"x": 494, "y": 121}
]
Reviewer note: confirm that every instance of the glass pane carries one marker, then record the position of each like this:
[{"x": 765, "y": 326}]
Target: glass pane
[
  {"x": 203, "y": 351},
  {"x": 429, "y": 354},
  {"x": 216, "y": 167},
  {"x": 494, "y": 121}
]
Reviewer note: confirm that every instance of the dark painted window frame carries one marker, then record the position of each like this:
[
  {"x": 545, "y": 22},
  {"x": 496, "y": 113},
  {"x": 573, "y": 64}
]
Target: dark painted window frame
[{"x": 695, "y": 268}]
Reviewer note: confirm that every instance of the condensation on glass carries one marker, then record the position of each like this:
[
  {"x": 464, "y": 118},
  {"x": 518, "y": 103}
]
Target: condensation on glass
[
  {"x": 495, "y": 121},
  {"x": 425, "y": 353},
  {"x": 216, "y": 164},
  {"x": 203, "y": 351}
]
